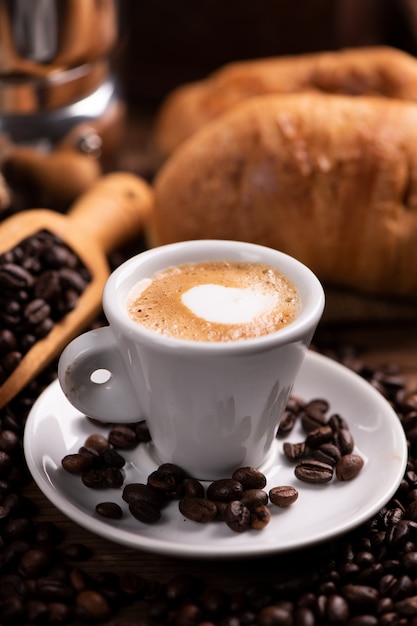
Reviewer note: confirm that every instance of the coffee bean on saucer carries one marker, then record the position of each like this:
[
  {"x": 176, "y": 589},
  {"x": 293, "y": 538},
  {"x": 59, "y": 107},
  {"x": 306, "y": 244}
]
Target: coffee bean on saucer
[
  {"x": 140, "y": 491},
  {"x": 312, "y": 471},
  {"x": 122, "y": 437},
  {"x": 287, "y": 423},
  {"x": 336, "y": 422},
  {"x": 97, "y": 442},
  {"x": 283, "y": 495},
  {"x": 198, "y": 509},
  {"x": 111, "y": 458},
  {"x": 109, "y": 509},
  {"x": 76, "y": 463},
  {"x": 162, "y": 480},
  {"x": 93, "y": 478},
  {"x": 259, "y": 516},
  {"x": 249, "y": 477},
  {"x": 344, "y": 440},
  {"x": 171, "y": 468},
  {"x": 318, "y": 436},
  {"x": 349, "y": 466},
  {"x": 314, "y": 414},
  {"x": 144, "y": 511},
  {"x": 237, "y": 516},
  {"x": 328, "y": 453},
  {"x": 225, "y": 490},
  {"x": 254, "y": 497},
  {"x": 113, "y": 477},
  {"x": 221, "y": 508},
  {"x": 142, "y": 432},
  {"x": 294, "y": 451},
  {"x": 192, "y": 488}
]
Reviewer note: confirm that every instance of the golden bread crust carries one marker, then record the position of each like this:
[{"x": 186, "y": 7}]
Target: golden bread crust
[
  {"x": 379, "y": 71},
  {"x": 331, "y": 180}
]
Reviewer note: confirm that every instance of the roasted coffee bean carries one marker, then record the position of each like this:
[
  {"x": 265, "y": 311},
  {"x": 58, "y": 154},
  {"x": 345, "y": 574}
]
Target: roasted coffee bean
[
  {"x": 71, "y": 279},
  {"x": 140, "y": 491},
  {"x": 314, "y": 414},
  {"x": 283, "y": 495},
  {"x": 198, "y": 509},
  {"x": 122, "y": 437},
  {"x": 9, "y": 441},
  {"x": 109, "y": 509},
  {"x": 276, "y": 613},
  {"x": 75, "y": 552},
  {"x": 36, "y": 562},
  {"x": 176, "y": 471},
  {"x": 225, "y": 490},
  {"x": 294, "y": 451},
  {"x": 319, "y": 436},
  {"x": 36, "y": 311},
  {"x": 113, "y": 477},
  {"x": 344, "y": 441},
  {"x": 31, "y": 296},
  {"x": 349, "y": 466},
  {"x": 336, "y": 422},
  {"x": 10, "y": 361},
  {"x": 95, "y": 458},
  {"x": 221, "y": 507},
  {"x": 94, "y": 604},
  {"x": 249, "y": 478},
  {"x": 192, "y": 488},
  {"x": 162, "y": 480},
  {"x": 43, "y": 328},
  {"x": 111, "y": 458},
  {"x": 260, "y": 516},
  {"x": 287, "y": 423},
  {"x": 328, "y": 453},
  {"x": 93, "y": 478},
  {"x": 142, "y": 432},
  {"x": 15, "y": 277},
  {"x": 254, "y": 497},
  {"x": 97, "y": 442},
  {"x": 336, "y": 609},
  {"x": 237, "y": 516},
  {"x": 77, "y": 463},
  {"x": 145, "y": 511},
  {"x": 312, "y": 471},
  {"x": 47, "y": 286}
]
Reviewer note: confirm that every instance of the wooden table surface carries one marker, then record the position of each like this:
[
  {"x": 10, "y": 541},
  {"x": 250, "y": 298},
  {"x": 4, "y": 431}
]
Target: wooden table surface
[{"x": 377, "y": 344}]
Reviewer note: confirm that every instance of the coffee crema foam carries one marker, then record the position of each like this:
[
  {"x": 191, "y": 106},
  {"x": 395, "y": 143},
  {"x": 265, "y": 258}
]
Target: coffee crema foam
[{"x": 215, "y": 301}]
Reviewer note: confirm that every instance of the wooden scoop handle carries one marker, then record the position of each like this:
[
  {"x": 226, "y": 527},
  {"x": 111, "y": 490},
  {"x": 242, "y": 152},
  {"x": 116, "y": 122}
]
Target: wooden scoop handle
[{"x": 113, "y": 209}]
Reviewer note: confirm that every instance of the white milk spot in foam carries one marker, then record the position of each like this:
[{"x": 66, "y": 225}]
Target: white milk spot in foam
[{"x": 227, "y": 305}]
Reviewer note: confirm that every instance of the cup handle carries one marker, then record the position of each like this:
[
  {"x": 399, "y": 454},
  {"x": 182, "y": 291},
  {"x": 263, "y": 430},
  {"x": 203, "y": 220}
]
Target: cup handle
[{"x": 94, "y": 378}]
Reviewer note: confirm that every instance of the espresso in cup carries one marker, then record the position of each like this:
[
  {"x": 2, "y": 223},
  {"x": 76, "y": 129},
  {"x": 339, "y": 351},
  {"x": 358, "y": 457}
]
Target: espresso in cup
[{"x": 215, "y": 301}]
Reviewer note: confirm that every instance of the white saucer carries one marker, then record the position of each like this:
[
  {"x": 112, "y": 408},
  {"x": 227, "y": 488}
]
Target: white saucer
[{"x": 54, "y": 428}]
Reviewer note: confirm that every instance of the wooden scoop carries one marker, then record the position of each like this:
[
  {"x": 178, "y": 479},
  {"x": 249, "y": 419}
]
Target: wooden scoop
[{"x": 110, "y": 213}]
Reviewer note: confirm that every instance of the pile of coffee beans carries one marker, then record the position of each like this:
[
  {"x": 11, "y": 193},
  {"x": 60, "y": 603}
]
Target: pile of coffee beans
[
  {"x": 327, "y": 450},
  {"x": 367, "y": 577},
  {"x": 240, "y": 501},
  {"x": 41, "y": 280}
]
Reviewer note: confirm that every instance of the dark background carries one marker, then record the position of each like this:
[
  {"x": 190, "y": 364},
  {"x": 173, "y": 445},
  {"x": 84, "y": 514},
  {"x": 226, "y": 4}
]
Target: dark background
[{"x": 164, "y": 43}]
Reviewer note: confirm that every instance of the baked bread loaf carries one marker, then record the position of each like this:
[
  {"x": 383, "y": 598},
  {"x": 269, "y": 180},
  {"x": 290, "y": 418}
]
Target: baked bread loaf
[
  {"x": 381, "y": 71},
  {"x": 331, "y": 180}
]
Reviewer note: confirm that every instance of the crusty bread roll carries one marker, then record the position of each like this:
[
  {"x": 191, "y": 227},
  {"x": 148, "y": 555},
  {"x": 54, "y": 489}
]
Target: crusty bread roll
[
  {"x": 331, "y": 180},
  {"x": 381, "y": 71}
]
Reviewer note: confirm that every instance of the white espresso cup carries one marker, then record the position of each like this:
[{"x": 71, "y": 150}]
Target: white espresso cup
[{"x": 211, "y": 407}]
